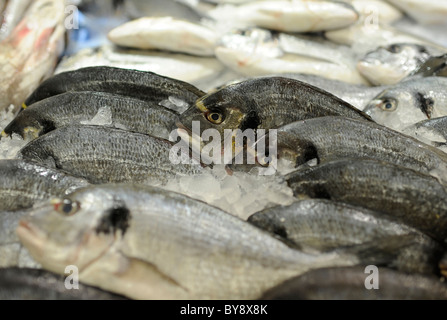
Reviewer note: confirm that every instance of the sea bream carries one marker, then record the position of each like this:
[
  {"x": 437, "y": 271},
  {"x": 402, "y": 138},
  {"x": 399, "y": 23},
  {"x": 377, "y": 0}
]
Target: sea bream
[
  {"x": 290, "y": 16},
  {"x": 365, "y": 37},
  {"x": 411, "y": 197},
  {"x": 322, "y": 225},
  {"x": 102, "y": 155},
  {"x": 349, "y": 284},
  {"x": 260, "y": 52},
  {"x": 148, "y": 243},
  {"x": 331, "y": 138},
  {"x": 165, "y": 33},
  {"x": 147, "y": 86},
  {"x": 264, "y": 103},
  {"x": 22, "y": 184},
  {"x": 29, "y": 55},
  {"x": 195, "y": 70},
  {"x": 391, "y": 64},
  {"x": 409, "y": 102},
  {"x": 86, "y": 107}
]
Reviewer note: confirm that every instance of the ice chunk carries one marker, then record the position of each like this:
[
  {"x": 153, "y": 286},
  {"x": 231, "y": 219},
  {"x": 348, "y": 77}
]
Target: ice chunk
[
  {"x": 9, "y": 146},
  {"x": 102, "y": 118},
  {"x": 175, "y": 104}
]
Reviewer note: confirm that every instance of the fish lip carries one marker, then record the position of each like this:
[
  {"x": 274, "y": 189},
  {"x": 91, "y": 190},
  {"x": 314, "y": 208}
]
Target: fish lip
[{"x": 29, "y": 236}]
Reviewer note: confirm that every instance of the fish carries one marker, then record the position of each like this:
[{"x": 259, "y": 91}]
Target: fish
[
  {"x": 147, "y": 243},
  {"x": 424, "y": 12},
  {"x": 251, "y": 104},
  {"x": 365, "y": 37},
  {"x": 391, "y": 64},
  {"x": 409, "y": 102},
  {"x": 197, "y": 71},
  {"x": 290, "y": 16},
  {"x": 435, "y": 130},
  {"x": 147, "y": 86},
  {"x": 357, "y": 95},
  {"x": 82, "y": 107},
  {"x": 332, "y": 138},
  {"x": 24, "y": 184},
  {"x": 32, "y": 284},
  {"x": 349, "y": 283},
  {"x": 433, "y": 67},
  {"x": 322, "y": 225},
  {"x": 260, "y": 52},
  {"x": 11, "y": 12},
  {"x": 408, "y": 196},
  {"x": 29, "y": 55},
  {"x": 165, "y": 33},
  {"x": 105, "y": 155}
]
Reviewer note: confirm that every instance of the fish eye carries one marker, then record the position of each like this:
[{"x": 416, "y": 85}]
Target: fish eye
[
  {"x": 66, "y": 207},
  {"x": 394, "y": 48},
  {"x": 388, "y": 105},
  {"x": 215, "y": 117}
]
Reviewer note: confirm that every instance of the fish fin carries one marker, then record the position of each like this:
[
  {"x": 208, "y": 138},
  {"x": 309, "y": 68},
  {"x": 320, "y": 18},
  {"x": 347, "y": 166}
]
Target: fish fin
[
  {"x": 381, "y": 252},
  {"x": 426, "y": 104}
]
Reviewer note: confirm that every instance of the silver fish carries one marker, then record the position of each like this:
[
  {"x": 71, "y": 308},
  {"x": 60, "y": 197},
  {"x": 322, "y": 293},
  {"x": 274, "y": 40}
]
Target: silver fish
[
  {"x": 197, "y": 71},
  {"x": 29, "y": 55},
  {"x": 332, "y": 138},
  {"x": 259, "y": 52},
  {"x": 23, "y": 184},
  {"x": 82, "y": 107},
  {"x": 409, "y": 102},
  {"x": 391, "y": 64},
  {"x": 165, "y": 33},
  {"x": 411, "y": 197},
  {"x": 147, "y": 86},
  {"x": 101, "y": 155},
  {"x": 147, "y": 243},
  {"x": 325, "y": 225},
  {"x": 290, "y": 16}
]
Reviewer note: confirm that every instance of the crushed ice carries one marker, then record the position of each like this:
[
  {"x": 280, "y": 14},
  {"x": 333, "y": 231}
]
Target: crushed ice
[{"x": 240, "y": 194}]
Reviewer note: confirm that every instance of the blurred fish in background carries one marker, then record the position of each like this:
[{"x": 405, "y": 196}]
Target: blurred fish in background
[{"x": 30, "y": 53}]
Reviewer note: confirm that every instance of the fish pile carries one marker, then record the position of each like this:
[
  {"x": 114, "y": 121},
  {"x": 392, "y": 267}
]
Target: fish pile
[{"x": 96, "y": 175}]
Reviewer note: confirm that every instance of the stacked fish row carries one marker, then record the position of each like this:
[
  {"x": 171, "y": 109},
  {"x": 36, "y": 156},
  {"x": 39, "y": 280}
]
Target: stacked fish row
[
  {"x": 369, "y": 200},
  {"x": 97, "y": 158}
]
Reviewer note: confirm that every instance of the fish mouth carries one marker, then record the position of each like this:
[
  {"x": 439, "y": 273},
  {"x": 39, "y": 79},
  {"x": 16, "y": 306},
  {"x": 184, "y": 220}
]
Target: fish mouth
[{"x": 30, "y": 237}]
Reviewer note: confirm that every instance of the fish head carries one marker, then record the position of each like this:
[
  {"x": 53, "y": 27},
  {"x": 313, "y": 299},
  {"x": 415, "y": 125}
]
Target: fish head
[
  {"x": 397, "y": 108},
  {"x": 74, "y": 230},
  {"x": 28, "y": 126},
  {"x": 294, "y": 150},
  {"x": 389, "y": 65},
  {"x": 223, "y": 111}
]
